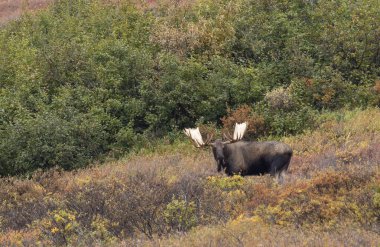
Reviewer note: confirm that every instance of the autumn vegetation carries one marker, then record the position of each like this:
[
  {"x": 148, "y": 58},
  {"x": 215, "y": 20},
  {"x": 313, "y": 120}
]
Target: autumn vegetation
[
  {"x": 94, "y": 95},
  {"x": 331, "y": 195}
]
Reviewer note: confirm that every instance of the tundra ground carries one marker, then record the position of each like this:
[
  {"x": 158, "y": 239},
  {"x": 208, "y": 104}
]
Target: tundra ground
[{"x": 175, "y": 197}]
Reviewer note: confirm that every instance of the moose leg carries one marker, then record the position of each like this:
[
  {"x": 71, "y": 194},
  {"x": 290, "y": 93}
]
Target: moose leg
[
  {"x": 279, "y": 166},
  {"x": 281, "y": 177},
  {"x": 275, "y": 173},
  {"x": 284, "y": 170},
  {"x": 219, "y": 167}
]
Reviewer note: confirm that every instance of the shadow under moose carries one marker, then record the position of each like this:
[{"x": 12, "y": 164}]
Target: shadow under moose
[{"x": 235, "y": 156}]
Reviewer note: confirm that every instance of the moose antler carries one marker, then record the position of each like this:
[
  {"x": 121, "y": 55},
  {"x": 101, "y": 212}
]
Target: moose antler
[
  {"x": 227, "y": 135},
  {"x": 238, "y": 133},
  {"x": 196, "y": 137}
]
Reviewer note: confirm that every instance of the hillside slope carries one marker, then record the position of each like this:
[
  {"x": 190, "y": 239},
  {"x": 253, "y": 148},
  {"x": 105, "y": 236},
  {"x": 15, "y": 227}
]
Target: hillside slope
[
  {"x": 117, "y": 78},
  {"x": 331, "y": 196},
  {"x": 12, "y": 9}
]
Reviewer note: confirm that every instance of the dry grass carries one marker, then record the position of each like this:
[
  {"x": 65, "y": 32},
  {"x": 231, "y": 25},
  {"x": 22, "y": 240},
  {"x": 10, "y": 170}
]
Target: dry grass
[
  {"x": 174, "y": 196},
  {"x": 249, "y": 232}
]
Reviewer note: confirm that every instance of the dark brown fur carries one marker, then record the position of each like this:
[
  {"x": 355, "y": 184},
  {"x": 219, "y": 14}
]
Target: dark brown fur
[{"x": 252, "y": 158}]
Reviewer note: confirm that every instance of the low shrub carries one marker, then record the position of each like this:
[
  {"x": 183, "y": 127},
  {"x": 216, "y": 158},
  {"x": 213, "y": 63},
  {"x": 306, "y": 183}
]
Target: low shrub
[
  {"x": 328, "y": 199},
  {"x": 60, "y": 226},
  {"x": 180, "y": 215}
]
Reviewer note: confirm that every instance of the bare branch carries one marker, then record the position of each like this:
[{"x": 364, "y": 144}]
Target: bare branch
[
  {"x": 228, "y": 136},
  {"x": 209, "y": 138}
]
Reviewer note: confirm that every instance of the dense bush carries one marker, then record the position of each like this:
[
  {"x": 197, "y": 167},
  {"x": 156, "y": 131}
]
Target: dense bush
[
  {"x": 87, "y": 79},
  {"x": 48, "y": 140}
]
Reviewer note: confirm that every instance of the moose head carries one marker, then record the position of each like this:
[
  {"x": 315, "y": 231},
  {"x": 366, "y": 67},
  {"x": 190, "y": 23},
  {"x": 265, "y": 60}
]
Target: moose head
[{"x": 218, "y": 145}]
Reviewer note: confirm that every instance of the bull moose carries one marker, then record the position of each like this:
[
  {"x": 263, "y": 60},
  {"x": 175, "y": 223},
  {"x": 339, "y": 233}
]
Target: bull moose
[{"x": 245, "y": 157}]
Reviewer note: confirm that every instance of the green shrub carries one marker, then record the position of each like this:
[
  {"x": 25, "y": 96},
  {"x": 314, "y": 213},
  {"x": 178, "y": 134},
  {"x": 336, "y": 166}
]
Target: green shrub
[
  {"x": 47, "y": 141},
  {"x": 180, "y": 215},
  {"x": 226, "y": 183}
]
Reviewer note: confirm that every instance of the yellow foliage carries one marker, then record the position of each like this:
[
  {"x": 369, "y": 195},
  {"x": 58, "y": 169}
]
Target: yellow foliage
[{"x": 233, "y": 182}]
